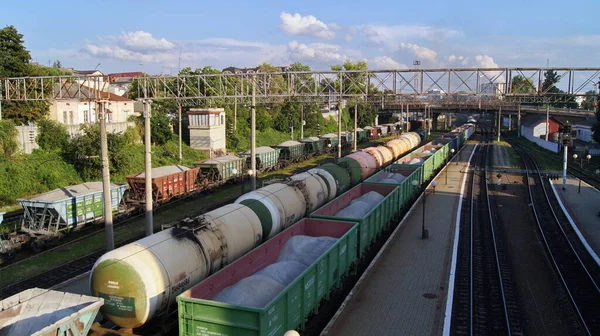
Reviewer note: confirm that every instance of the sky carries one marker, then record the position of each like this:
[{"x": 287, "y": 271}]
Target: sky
[{"x": 164, "y": 36}]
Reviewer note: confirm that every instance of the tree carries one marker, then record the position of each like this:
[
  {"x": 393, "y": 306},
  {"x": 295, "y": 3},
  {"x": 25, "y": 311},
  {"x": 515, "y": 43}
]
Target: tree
[
  {"x": 24, "y": 112},
  {"x": 550, "y": 79},
  {"x": 521, "y": 84},
  {"x": 57, "y": 64},
  {"x": 8, "y": 144},
  {"x": 15, "y": 57},
  {"x": 52, "y": 135},
  {"x": 590, "y": 99}
]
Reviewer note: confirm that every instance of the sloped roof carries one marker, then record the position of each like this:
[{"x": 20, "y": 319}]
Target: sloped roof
[
  {"x": 70, "y": 191},
  {"x": 78, "y": 91},
  {"x": 589, "y": 121},
  {"x": 532, "y": 121},
  {"x": 164, "y": 171}
]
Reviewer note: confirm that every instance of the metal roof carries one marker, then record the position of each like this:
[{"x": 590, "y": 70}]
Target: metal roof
[
  {"x": 289, "y": 143},
  {"x": 309, "y": 139},
  {"x": 263, "y": 149},
  {"x": 33, "y": 310},
  {"x": 164, "y": 171},
  {"x": 70, "y": 191},
  {"x": 221, "y": 159}
]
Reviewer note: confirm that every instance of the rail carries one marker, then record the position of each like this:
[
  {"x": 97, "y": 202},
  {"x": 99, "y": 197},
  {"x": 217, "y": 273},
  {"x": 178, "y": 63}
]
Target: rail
[{"x": 576, "y": 270}]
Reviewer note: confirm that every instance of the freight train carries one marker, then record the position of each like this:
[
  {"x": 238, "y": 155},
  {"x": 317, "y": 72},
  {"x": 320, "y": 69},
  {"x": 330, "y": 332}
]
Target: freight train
[
  {"x": 49, "y": 216},
  {"x": 141, "y": 280}
]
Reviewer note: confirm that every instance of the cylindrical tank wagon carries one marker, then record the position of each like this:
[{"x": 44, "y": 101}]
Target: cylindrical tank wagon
[{"x": 140, "y": 280}]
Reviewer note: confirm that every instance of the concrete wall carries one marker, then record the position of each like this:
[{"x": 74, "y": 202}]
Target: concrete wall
[
  {"x": 528, "y": 133},
  {"x": 26, "y": 135}
]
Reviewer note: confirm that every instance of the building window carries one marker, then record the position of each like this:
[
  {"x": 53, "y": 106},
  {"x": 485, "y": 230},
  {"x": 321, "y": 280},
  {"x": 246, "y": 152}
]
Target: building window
[
  {"x": 71, "y": 117},
  {"x": 65, "y": 117},
  {"x": 85, "y": 116},
  {"x": 109, "y": 117},
  {"x": 222, "y": 119}
]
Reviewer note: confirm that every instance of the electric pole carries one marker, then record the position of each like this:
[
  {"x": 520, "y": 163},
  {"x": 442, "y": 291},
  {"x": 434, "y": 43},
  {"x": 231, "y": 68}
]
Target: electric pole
[
  {"x": 179, "y": 129},
  {"x": 253, "y": 135},
  {"x": 106, "y": 193},
  {"x": 355, "y": 126},
  {"x": 339, "y": 128},
  {"x": 148, "y": 172},
  {"x": 301, "y": 121}
]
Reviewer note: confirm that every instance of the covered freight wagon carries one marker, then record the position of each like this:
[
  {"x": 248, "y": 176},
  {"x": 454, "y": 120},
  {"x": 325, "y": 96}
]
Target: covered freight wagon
[
  {"x": 280, "y": 301},
  {"x": 167, "y": 182},
  {"x": 220, "y": 169},
  {"x": 40, "y": 312},
  {"x": 401, "y": 176},
  {"x": 291, "y": 151},
  {"x": 267, "y": 158},
  {"x": 65, "y": 208},
  {"x": 372, "y": 132},
  {"x": 313, "y": 145}
]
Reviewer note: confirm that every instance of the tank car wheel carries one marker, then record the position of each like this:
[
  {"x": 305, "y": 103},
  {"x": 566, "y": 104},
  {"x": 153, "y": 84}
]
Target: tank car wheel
[{"x": 36, "y": 247}]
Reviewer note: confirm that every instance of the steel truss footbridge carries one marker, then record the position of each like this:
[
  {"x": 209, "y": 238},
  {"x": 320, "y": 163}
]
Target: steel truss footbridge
[{"x": 490, "y": 87}]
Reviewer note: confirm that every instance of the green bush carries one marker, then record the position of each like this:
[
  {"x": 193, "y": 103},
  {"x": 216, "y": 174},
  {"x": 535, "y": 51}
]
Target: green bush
[{"x": 52, "y": 135}]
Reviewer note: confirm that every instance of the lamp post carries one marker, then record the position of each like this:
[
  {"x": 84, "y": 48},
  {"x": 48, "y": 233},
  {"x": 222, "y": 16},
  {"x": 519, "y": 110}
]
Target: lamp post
[
  {"x": 452, "y": 154},
  {"x": 588, "y": 157},
  {"x": 424, "y": 232}
]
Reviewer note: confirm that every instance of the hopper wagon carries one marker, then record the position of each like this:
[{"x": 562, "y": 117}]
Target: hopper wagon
[{"x": 167, "y": 182}]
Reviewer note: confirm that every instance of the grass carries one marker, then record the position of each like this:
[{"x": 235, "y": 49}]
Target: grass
[
  {"x": 37, "y": 264},
  {"x": 546, "y": 160}
]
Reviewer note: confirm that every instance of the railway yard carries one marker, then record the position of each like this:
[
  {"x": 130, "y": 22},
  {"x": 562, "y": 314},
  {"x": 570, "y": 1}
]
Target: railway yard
[{"x": 455, "y": 235}]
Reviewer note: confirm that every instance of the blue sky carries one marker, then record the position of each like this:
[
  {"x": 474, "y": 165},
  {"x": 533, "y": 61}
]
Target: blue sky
[{"x": 164, "y": 35}]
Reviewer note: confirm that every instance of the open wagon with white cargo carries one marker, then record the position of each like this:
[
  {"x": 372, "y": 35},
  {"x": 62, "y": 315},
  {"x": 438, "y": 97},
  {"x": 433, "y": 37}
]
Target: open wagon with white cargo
[
  {"x": 275, "y": 287},
  {"x": 41, "y": 312}
]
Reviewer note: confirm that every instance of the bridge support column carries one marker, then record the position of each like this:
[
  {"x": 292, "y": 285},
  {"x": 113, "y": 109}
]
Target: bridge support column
[
  {"x": 510, "y": 122},
  {"x": 434, "y": 122},
  {"x": 519, "y": 120}
]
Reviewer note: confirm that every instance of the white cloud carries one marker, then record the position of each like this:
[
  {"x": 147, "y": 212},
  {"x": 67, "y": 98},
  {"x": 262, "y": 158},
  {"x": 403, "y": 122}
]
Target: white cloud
[
  {"x": 385, "y": 63},
  {"x": 392, "y": 36},
  {"x": 485, "y": 61},
  {"x": 144, "y": 42},
  {"x": 296, "y": 24},
  {"x": 478, "y": 61},
  {"x": 348, "y": 37},
  {"x": 422, "y": 53},
  {"x": 319, "y": 52}
]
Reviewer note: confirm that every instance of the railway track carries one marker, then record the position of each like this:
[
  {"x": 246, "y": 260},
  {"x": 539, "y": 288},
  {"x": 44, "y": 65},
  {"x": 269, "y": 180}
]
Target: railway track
[
  {"x": 485, "y": 301},
  {"x": 573, "y": 168},
  {"x": 577, "y": 271}
]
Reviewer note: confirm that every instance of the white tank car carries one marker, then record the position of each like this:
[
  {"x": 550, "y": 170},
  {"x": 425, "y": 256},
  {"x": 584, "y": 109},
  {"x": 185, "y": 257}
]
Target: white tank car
[{"x": 140, "y": 280}]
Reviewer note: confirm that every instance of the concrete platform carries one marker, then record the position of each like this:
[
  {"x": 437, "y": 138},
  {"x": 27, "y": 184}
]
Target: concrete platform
[
  {"x": 405, "y": 289},
  {"x": 582, "y": 210}
]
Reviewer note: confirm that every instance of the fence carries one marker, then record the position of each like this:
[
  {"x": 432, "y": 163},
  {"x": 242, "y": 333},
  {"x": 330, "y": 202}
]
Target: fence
[
  {"x": 528, "y": 134},
  {"x": 26, "y": 135}
]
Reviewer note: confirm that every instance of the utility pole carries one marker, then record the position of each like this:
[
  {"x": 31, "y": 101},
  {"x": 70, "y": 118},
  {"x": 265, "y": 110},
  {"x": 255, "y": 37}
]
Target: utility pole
[
  {"x": 148, "y": 172},
  {"x": 253, "y": 135},
  {"x": 301, "y": 121},
  {"x": 108, "y": 219},
  {"x": 339, "y": 128},
  {"x": 547, "y": 120},
  {"x": 235, "y": 111},
  {"x": 179, "y": 129},
  {"x": 407, "y": 116},
  {"x": 499, "y": 121},
  {"x": 354, "y": 140}
]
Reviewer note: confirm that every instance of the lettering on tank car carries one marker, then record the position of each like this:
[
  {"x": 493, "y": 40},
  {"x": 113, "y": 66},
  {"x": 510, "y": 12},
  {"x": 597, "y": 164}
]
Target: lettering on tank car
[
  {"x": 180, "y": 286},
  {"x": 113, "y": 284}
]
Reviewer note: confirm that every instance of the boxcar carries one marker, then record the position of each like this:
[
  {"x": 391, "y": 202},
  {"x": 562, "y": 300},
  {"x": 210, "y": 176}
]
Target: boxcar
[
  {"x": 330, "y": 140},
  {"x": 375, "y": 222},
  {"x": 371, "y": 132},
  {"x": 66, "y": 208},
  {"x": 291, "y": 151},
  {"x": 290, "y": 308},
  {"x": 167, "y": 182},
  {"x": 38, "y": 311},
  {"x": 267, "y": 158},
  {"x": 220, "y": 169}
]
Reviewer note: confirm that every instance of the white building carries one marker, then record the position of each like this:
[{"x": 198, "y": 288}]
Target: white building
[
  {"x": 492, "y": 89},
  {"x": 77, "y": 111},
  {"x": 583, "y": 129},
  {"x": 206, "y": 130}
]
